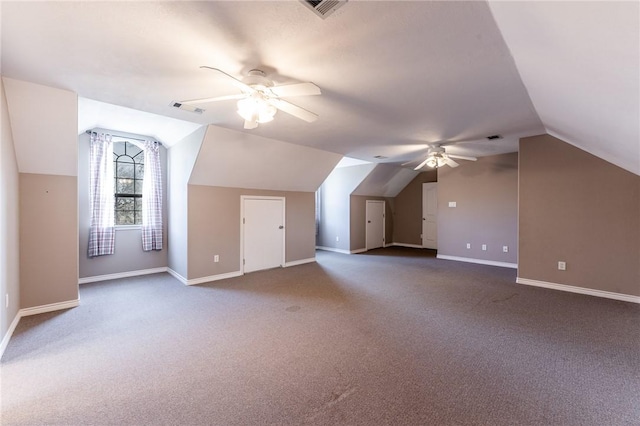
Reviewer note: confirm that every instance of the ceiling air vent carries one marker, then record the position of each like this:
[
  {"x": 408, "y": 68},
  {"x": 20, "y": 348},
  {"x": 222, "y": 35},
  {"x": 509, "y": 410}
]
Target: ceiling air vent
[
  {"x": 189, "y": 108},
  {"x": 323, "y": 8}
]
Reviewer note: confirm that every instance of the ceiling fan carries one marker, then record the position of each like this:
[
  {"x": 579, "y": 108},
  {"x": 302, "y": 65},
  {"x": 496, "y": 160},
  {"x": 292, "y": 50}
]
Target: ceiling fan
[
  {"x": 438, "y": 157},
  {"x": 260, "y": 98}
]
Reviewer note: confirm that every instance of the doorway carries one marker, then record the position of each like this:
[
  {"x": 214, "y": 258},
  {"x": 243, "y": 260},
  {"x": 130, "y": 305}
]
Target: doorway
[
  {"x": 430, "y": 215},
  {"x": 374, "y": 231},
  {"x": 263, "y": 233}
]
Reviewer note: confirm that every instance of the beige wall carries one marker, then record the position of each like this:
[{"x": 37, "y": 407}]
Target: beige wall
[
  {"x": 48, "y": 239},
  {"x": 486, "y": 212},
  {"x": 128, "y": 255},
  {"x": 9, "y": 222},
  {"x": 577, "y": 208},
  {"x": 358, "y": 215},
  {"x": 407, "y": 215},
  {"x": 214, "y": 227}
]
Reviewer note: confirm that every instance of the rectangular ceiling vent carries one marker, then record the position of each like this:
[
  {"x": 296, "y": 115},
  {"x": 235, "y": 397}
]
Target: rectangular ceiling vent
[
  {"x": 189, "y": 108},
  {"x": 324, "y": 8}
]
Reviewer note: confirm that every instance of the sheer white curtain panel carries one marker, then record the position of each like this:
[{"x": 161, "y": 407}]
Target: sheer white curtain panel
[{"x": 101, "y": 186}]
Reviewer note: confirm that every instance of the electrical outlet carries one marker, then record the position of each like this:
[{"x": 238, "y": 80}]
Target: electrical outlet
[
  {"x": 452, "y": 204},
  {"x": 216, "y": 258},
  {"x": 562, "y": 266},
  {"x": 337, "y": 238},
  {"x": 505, "y": 249},
  {"x": 468, "y": 245},
  {"x": 484, "y": 247}
]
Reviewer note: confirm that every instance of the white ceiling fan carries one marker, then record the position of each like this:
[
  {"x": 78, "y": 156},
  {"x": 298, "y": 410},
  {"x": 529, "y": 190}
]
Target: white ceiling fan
[
  {"x": 260, "y": 98},
  {"x": 438, "y": 157}
]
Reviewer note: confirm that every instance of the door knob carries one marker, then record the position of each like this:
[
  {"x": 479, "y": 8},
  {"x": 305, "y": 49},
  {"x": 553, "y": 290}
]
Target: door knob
[{"x": 280, "y": 227}]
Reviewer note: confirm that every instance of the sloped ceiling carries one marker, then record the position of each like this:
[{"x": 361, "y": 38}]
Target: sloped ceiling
[
  {"x": 240, "y": 160},
  {"x": 385, "y": 181},
  {"x": 394, "y": 75},
  {"x": 43, "y": 123},
  {"x": 580, "y": 63},
  {"x": 93, "y": 114}
]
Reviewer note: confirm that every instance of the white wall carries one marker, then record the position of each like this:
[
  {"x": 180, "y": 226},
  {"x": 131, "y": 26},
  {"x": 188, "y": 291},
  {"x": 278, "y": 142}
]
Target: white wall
[
  {"x": 181, "y": 159},
  {"x": 9, "y": 238}
]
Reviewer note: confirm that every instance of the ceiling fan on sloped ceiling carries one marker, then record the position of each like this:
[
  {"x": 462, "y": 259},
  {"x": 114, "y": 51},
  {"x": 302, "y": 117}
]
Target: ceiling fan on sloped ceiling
[
  {"x": 260, "y": 98},
  {"x": 437, "y": 156}
]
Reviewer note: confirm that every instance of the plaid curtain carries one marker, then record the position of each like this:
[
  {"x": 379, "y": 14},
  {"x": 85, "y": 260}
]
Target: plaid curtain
[
  {"x": 152, "y": 198},
  {"x": 102, "y": 232}
]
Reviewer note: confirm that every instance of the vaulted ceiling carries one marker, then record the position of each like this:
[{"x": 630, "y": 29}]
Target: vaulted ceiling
[{"x": 394, "y": 75}]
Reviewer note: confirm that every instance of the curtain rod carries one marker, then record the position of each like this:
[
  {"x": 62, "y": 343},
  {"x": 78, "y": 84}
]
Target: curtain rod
[{"x": 124, "y": 137}]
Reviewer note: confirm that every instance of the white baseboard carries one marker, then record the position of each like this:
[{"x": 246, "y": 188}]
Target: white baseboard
[
  {"x": 177, "y": 276},
  {"x": 299, "y": 262},
  {"x": 580, "y": 290},
  {"x": 335, "y": 250},
  {"x": 49, "y": 308},
  {"x": 356, "y": 251},
  {"x": 128, "y": 274},
  {"x": 34, "y": 311},
  {"x": 478, "y": 261},
  {"x": 8, "y": 334},
  {"x": 406, "y": 245},
  {"x": 210, "y": 278}
]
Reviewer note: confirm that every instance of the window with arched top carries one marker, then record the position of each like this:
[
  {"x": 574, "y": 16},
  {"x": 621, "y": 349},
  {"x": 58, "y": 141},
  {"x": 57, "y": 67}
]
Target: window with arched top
[{"x": 128, "y": 171}]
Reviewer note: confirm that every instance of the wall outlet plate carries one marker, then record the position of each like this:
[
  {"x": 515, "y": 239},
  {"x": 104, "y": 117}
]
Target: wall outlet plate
[
  {"x": 484, "y": 247},
  {"x": 505, "y": 249},
  {"x": 562, "y": 266},
  {"x": 468, "y": 245}
]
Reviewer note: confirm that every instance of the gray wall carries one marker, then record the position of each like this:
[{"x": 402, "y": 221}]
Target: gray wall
[
  {"x": 9, "y": 222},
  {"x": 358, "y": 217},
  {"x": 335, "y": 191},
  {"x": 48, "y": 239},
  {"x": 214, "y": 227},
  {"x": 407, "y": 212},
  {"x": 128, "y": 254},
  {"x": 486, "y": 194},
  {"x": 182, "y": 158},
  {"x": 577, "y": 208}
]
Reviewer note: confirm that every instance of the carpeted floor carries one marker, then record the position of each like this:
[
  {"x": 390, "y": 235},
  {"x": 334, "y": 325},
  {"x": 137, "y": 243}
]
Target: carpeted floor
[{"x": 393, "y": 336}]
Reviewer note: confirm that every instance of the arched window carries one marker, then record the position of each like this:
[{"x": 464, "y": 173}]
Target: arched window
[{"x": 128, "y": 171}]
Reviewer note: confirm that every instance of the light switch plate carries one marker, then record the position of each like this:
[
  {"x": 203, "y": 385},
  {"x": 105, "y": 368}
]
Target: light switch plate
[{"x": 452, "y": 204}]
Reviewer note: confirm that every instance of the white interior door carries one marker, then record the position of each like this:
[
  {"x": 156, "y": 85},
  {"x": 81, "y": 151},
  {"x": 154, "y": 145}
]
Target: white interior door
[
  {"x": 430, "y": 215},
  {"x": 263, "y": 233},
  {"x": 375, "y": 224}
]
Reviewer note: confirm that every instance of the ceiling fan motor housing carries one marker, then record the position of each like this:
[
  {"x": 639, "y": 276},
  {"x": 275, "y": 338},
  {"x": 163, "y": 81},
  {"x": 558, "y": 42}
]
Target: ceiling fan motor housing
[{"x": 257, "y": 79}]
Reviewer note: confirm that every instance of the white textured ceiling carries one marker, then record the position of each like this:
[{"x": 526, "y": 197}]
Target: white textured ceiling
[{"x": 394, "y": 75}]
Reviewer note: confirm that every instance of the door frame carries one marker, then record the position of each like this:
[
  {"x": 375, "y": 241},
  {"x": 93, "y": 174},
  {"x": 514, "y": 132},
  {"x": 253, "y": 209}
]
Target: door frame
[
  {"x": 284, "y": 229},
  {"x": 366, "y": 228}
]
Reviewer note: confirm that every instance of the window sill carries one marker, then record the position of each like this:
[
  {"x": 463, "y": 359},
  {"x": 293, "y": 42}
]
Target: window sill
[{"x": 128, "y": 227}]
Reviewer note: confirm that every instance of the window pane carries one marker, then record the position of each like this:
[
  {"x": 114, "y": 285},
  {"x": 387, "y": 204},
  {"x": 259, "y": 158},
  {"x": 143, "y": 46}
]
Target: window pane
[
  {"x": 125, "y": 203},
  {"x": 138, "y": 186},
  {"x": 139, "y": 171},
  {"x": 124, "y": 186},
  {"x": 138, "y": 204},
  {"x": 125, "y": 217},
  {"x": 118, "y": 148},
  {"x": 124, "y": 170}
]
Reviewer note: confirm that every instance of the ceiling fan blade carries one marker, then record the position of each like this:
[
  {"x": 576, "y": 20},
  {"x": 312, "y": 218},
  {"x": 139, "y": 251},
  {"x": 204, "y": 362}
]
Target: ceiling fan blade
[
  {"x": 239, "y": 84},
  {"x": 462, "y": 157},
  {"x": 216, "y": 99},
  {"x": 250, "y": 124},
  {"x": 449, "y": 162},
  {"x": 421, "y": 165},
  {"x": 294, "y": 110},
  {"x": 297, "y": 89}
]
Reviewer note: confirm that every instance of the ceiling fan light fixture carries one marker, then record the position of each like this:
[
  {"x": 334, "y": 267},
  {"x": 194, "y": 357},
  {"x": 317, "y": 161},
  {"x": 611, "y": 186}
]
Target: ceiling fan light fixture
[{"x": 255, "y": 108}]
